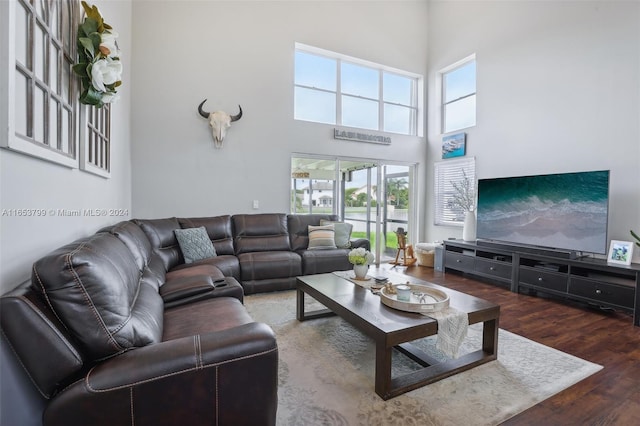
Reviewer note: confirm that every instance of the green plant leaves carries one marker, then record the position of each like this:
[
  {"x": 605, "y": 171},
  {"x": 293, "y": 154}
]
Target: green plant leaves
[
  {"x": 91, "y": 96},
  {"x": 89, "y": 38}
]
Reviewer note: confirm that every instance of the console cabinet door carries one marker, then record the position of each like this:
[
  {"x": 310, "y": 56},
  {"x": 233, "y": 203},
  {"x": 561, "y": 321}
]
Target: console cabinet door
[
  {"x": 459, "y": 262},
  {"x": 493, "y": 268},
  {"x": 543, "y": 279},
  {"x": 599, "y": 291}
]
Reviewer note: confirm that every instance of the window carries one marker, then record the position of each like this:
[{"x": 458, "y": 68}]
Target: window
[
  {"x": 448, "y": 174},
  {"x": 42, "y": 106},
  {"x": 459, "y": 95},
  {"x": 96, "y": 156},
  {"x": 335, "y": 89}
]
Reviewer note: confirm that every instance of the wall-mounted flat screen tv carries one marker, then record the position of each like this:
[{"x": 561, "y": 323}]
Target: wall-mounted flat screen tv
[{"x": 566, "y": 211}]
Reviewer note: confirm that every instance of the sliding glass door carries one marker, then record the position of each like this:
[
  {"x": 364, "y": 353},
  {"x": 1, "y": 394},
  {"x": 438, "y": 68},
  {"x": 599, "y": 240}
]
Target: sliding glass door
[{"x": 376, "y": 197}]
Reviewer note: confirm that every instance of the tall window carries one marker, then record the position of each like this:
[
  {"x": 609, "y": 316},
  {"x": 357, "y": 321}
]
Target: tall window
[
  {"x": 448, "y": 175},
  {"x": 43, "y": 117},
  {"x": 335, "y": 89},
  {"x": 459, "y": 95}
]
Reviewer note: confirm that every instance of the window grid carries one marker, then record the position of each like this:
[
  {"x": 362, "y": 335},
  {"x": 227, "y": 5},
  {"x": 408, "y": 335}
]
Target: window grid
[
  {"x": 340, "y": 95},
  {"x": 467, "y": 96},
  {"x": 98, "y": 142},
  {"x": 447, "y": 173},
  {"x": 49, "y": 89}
]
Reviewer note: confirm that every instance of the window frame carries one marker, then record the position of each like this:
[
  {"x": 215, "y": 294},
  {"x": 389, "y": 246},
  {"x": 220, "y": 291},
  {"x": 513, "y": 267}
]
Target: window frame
[
  {"x": 443, "y": 93},
  {"x": 445, "y": 173},
  {"x": 96, "y": 140},
  {"x": 27, "y": 144},
  {"x": 417, "y": 99}
]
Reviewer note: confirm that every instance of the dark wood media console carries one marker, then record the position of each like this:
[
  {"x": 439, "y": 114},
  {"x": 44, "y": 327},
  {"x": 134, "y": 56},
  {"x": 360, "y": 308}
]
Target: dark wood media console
[{"x": 591, "y": 281}]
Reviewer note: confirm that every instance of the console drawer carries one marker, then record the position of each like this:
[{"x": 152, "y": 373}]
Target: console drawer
[
  {"x": 603, "y": 292},
  {"x": 538, "y": 278},
  {"x": 493, "y": 268},
  {"x": 459, "y": 262}
]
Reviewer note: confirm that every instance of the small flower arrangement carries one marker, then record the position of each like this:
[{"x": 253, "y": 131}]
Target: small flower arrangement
[
  {"x": 99, "y": 66},
  {"x": 361, "y": 256}
]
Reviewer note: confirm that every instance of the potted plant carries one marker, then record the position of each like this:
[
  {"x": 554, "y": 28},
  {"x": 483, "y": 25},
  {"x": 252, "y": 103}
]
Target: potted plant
[{"x": 361, "y": 258}]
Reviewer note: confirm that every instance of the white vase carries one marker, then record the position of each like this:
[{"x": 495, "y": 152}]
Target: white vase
[
  {"x": 360, "y": 271},
  {"x": 469, "y": 228}
]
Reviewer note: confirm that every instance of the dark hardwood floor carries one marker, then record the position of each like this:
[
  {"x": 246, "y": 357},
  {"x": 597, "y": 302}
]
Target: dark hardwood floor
[{"x": 609, "y": 397}]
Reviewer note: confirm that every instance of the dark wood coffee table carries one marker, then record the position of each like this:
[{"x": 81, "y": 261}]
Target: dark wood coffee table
[{"x": 391, "y": 328}]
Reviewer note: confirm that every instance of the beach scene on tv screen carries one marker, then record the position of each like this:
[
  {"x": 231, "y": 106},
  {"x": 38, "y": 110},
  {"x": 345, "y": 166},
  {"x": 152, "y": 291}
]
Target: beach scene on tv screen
[{"x": 566, "y": 211}]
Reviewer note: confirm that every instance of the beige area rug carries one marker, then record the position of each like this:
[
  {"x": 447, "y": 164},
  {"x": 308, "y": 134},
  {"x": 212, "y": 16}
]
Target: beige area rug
[{"x": 327, "y": 375}]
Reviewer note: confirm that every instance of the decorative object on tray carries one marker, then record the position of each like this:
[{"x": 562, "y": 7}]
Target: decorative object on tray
[
  {"x": 422, "y": 298},
  {"x": 99, "y": 66},
  {"x": 361, "y": 259},
  {"x": 434, "y": 303}
]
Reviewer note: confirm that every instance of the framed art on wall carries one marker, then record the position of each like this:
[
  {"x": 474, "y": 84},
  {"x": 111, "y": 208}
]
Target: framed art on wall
[
  {"x": 620, "y": 252},
  {"x": 454, "y": 145}
]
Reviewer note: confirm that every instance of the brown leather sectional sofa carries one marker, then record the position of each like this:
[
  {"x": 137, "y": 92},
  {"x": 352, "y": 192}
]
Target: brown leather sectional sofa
[{"x": 116, "y": 329}]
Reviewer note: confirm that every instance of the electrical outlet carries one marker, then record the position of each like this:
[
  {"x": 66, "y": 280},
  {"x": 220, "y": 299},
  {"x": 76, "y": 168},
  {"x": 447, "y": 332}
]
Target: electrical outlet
[{"x": 256, "y": 204}]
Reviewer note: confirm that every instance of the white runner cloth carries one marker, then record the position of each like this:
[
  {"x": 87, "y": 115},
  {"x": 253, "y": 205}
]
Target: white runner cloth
[
  {"x": 452, "y": 330},
  {"x": 452, "y": 323}
]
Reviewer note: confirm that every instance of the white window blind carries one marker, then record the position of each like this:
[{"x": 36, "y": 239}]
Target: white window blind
[{"x": 448, "y": 173}]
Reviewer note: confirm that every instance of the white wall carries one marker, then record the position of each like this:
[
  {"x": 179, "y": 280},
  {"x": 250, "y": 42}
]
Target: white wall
[
  {"x": 243, "y": 53},
  {"x": 558, "y": 89},
  {"x": 26, "y": 182}
]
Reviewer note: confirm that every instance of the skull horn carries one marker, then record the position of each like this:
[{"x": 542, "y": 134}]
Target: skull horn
[
  {"x": 204, "y": 113},
  {"x": 237, "y": 117}
]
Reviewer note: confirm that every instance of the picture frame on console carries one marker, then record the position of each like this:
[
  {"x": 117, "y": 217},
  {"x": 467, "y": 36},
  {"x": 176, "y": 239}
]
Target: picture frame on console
[{"x": 620, "y": 252}]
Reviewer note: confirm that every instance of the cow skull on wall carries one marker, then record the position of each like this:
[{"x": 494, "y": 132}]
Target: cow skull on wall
[{"x": 219, "y": 121}]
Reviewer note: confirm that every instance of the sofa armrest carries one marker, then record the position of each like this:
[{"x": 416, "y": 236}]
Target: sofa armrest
[
  {"x": 361, "y": 242},
  {"x": 181, "y": 355},
  {"x": 229, "y": 376}
]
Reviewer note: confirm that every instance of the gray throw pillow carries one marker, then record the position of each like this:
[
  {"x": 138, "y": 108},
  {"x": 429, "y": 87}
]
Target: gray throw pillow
[
  {"x": 195, "y": 244},
  {"x": 343, "y": 232},
  {"x": 321, "y": 237}
]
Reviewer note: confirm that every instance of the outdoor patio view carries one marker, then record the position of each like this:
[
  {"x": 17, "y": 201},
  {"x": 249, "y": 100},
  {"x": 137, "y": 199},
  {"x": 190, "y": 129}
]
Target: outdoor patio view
[{"x": 354, "y": 193}]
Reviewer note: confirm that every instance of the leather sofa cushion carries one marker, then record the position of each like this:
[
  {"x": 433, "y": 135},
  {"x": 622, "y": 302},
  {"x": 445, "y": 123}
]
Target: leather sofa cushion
[
  {"x": 228, "y": 264},
  {"x": 323, "y": 261},
  {"x": 218, "y": 228},
  {"x": 163, "y": 239},
  {"x": 196, "y": 318},
  {"x": 269, "y": 264},
  {"x": 136, "y": 241},
  {"x": 94, "y": 287},
  {"x": 260, "y": 232}
]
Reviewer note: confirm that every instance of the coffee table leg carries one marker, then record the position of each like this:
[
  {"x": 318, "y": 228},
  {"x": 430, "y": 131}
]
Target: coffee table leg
[
  {"x": 383, "y": 370},
  {"x": 490, "y": 337},
  {"x": 301, "y": 315}
]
